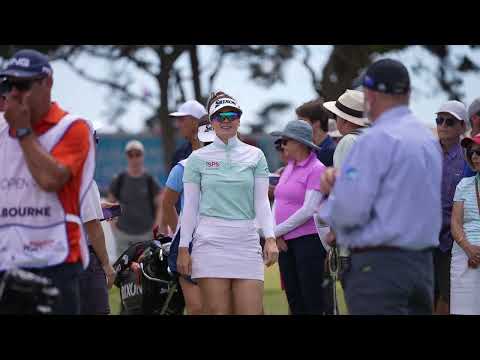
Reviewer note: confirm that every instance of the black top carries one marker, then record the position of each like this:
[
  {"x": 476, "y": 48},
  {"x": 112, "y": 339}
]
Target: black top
[{"x": 133, "y": 193}]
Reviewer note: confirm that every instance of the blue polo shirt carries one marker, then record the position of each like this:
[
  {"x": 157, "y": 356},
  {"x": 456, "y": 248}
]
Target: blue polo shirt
[
  {"x": 175, "y": 181},
  {"x": 327, "y": 148}
]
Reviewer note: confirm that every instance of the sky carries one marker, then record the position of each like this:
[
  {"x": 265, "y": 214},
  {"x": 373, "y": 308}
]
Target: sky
[{"x": 92, "y": 101}]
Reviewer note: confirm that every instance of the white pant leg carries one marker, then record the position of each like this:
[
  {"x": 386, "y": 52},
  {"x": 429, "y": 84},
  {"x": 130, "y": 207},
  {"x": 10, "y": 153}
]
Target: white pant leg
[{"x": 464, "y": 285}]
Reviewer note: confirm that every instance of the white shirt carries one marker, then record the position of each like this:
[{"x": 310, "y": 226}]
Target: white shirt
[
  {"x": 342, "y": 149},
  {"x": 91, "y": 206}
]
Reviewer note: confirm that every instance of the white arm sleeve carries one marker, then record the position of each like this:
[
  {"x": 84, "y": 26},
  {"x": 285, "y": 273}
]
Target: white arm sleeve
[
  {"x": 302, "y": 215},
  {"x": 262, "y": 207},
  {"x": 191, "y": 201}
]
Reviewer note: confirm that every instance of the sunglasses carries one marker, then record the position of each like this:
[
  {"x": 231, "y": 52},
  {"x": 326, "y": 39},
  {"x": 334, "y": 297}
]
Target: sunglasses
[
  {"x": 229, "y": 116},
  {"x": 471, "y": 152},
  {"x": 7, "y": 85},
  {"x": 449, "y": 121},
  {"x": 134, "y": 154}
]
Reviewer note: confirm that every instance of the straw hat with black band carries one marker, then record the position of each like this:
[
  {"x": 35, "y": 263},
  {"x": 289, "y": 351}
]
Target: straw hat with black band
[{"x": 349, "y": 107}]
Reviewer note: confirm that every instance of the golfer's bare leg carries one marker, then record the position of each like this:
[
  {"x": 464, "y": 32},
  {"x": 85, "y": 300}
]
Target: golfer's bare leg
[
  {"x": 247, "y": 297},
  {"x": 216, "y": 296}
]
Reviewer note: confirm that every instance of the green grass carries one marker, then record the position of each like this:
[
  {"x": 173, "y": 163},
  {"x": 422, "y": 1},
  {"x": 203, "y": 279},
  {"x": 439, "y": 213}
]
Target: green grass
[{"x": 274, "y": 300}]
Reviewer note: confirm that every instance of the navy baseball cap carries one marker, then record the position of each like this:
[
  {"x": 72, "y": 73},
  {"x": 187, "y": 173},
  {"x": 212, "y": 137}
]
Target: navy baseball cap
[
  {"x": 27, "y": 63},
  {"x": 387, "y": 76}
]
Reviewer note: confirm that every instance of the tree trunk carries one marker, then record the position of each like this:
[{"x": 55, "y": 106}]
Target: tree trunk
[
  {"x": 168, "y": 131},
  {"x": 344, "y": 65},
  {"x": 195, "y": 73}
]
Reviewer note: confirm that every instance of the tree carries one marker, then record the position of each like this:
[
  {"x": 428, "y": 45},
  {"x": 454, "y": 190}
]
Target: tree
[
  {"x": 347, "y": 62},
  {"x": 266, "y": 65}
]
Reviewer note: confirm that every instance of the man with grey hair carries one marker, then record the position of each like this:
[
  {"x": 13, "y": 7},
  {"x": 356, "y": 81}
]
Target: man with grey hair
[{"x": 385, "y": 204}]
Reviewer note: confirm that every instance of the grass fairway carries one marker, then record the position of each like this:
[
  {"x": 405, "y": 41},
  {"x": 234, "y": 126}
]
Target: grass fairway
[{"x": 274, "y": 299}]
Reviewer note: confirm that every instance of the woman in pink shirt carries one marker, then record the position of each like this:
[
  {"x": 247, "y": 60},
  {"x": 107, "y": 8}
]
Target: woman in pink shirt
[{"x": 297, "y": 197}]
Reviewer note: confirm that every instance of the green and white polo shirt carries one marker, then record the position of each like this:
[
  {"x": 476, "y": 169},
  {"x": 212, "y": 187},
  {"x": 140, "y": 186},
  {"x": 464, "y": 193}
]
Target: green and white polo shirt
[{"x": 226, "y": 173}]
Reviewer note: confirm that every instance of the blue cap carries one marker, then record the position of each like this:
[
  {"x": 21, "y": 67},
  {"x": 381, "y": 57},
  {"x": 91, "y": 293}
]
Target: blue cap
[{"x": 27, "y": 63}]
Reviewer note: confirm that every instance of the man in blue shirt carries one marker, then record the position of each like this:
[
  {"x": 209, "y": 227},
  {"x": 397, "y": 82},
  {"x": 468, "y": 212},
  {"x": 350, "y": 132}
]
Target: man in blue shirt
[
  {"x": 314, "y": 113},
  {"x": 385, "y": 202},
  {"x": 450, "y": 120}
]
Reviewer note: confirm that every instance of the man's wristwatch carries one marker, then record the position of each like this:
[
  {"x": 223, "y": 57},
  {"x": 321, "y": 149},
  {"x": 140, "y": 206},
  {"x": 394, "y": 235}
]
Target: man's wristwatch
[{"x": 22, "y": 133}]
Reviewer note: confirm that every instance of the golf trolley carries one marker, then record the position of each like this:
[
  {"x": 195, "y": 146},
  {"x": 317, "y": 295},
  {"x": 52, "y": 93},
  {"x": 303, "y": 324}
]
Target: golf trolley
[{"x": 147, "y": 286}]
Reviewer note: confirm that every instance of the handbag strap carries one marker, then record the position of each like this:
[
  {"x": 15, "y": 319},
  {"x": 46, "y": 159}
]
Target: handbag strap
[{"x": 478, "y": 196}]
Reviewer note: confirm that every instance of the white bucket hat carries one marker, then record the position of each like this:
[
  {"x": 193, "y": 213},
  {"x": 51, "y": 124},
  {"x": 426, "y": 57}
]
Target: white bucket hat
[{"x": 349, "y": 106}]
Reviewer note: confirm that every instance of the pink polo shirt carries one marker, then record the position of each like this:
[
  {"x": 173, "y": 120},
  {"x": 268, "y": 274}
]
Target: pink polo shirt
[{"x": 294, "y": 182}]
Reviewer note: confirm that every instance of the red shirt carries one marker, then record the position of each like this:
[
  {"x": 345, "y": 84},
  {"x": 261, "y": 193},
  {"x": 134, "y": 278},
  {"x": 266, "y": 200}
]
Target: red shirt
[{"x": 71, "y": 151}]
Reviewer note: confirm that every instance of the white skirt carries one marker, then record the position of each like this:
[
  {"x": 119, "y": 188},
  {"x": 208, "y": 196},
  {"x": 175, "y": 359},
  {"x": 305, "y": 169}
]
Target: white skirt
[
  {"x": 227, "y": 249},
  {"x": 464, "y": 285}
]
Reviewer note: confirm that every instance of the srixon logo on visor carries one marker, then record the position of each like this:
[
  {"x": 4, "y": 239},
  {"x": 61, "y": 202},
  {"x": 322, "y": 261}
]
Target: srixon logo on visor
[{"x": 225, "y": 101}]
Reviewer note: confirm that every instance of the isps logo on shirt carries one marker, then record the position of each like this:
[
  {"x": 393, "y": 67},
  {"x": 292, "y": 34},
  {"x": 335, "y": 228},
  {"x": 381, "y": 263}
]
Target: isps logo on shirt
[{"x": 212, "y": 165}]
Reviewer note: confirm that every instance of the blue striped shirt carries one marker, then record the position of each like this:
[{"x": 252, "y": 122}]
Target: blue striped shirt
[
  {"x": 466, "y": 193},
  {"x": 389, "y": 187}
]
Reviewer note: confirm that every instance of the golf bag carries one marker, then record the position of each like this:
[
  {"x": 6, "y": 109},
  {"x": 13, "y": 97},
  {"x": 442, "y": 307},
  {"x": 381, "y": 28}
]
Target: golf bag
[
  {"x": 22, "y": 292},
  {"x": 147, "y": 286}
]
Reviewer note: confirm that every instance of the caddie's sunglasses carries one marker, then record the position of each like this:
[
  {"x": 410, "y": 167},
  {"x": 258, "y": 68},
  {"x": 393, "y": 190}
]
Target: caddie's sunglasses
[
  {"x": 229, "y": 116},
  {"x": 471, "y": 152},
  {"x": 449, "y": 121},
  {"x": 22, "y": 85}
]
